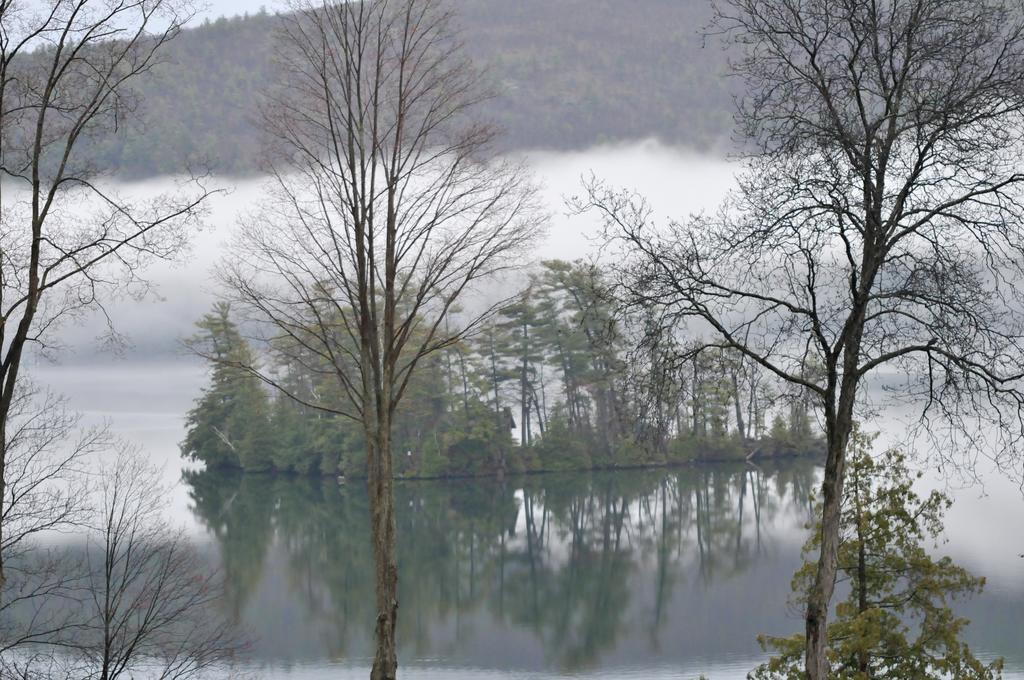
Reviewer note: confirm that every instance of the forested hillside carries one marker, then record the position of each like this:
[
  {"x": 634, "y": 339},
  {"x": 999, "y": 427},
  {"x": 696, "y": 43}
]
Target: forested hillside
[{"x": 567, "y": 75}]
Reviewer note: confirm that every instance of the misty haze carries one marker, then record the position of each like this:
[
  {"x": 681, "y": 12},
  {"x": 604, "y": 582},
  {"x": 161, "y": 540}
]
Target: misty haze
[{"x": 516, "y": 340}]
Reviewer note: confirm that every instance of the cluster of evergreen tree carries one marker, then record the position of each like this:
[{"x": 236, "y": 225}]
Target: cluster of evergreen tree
[
  {"x": 554, "y": 382},
  {"x": 566, "y": 75}
]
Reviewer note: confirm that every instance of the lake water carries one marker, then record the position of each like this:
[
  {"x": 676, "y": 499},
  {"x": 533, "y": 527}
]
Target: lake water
[
  {"x": 652, "y": 574},
  {"x": 551, "y": 574},
  {"x": 659, "y": 573}
]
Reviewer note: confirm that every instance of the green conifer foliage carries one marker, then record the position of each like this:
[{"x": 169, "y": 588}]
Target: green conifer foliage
[
  {"x": 897, "y": 620},
  {"x": 560, "y": 378},
  {"x": 229, "y": 425}
]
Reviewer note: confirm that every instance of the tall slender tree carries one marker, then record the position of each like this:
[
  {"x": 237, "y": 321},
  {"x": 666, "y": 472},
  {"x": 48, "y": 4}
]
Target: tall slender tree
[
  {"x": 877, "y": 225},
  {"x": 384, "y": 210}
]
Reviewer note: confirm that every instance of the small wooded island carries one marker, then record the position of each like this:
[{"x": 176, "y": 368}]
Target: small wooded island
[{"x": 552, "y": 383}]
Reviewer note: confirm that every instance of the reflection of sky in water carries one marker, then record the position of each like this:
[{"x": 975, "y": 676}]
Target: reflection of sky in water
[
  {"x": 641, "y": 591},
  {"x": 711, "y": 617}
]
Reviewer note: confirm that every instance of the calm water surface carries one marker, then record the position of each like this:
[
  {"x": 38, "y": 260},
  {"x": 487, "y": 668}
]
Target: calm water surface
[
  {"x": 627, "y": 574},
  {"x": 634, "y": 574},
  {"x": 548, "y": 574}
]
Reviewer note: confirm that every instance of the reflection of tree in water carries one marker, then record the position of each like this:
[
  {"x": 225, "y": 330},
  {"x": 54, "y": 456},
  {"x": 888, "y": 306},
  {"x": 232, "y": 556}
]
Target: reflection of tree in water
[
  {"x": 236, "y": 510},
  {"x": 560, "y": 556}
]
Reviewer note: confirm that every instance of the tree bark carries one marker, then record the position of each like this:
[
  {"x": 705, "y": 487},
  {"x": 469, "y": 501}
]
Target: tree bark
[
  {"x": 385, "y": 663},
  {"x": 498, "y": 413},
  {"x": 862, "y": 573},
  {"x": 818, "y": 599},
  {"x": 11, "y": 365},
  {"x": 838, "y": 427},
  {"x": 524, "y": 406},
  {"x": 740, "y": 425},
  {"x": 3, "y": 491}
]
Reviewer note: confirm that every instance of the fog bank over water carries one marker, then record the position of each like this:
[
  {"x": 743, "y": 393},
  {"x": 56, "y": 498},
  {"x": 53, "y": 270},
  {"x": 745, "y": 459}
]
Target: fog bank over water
[{"x": 676, "y": 183}]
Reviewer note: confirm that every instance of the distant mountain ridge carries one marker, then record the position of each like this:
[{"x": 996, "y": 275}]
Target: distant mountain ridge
[{"x": 570, "y": 74}]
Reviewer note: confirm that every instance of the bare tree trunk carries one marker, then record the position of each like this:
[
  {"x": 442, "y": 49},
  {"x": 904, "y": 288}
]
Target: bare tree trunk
[
  {"x": 740, "y": 425},
  {"x": 542, "y": 406},
  {"x": 862, "y": 585},
  {"x": 465, "y": 385},
  {"x": 816, "y": 661},
  {"x": 536, "y": 401},
  {"x": 11, "y": 367},
  {"x": 839, "y": 425},
  {"x": 3, "y": 485},
  {"x": 498, "y": 413},
  {"x": 524, "y": 406},
  {"x": 382, "y": 514}
]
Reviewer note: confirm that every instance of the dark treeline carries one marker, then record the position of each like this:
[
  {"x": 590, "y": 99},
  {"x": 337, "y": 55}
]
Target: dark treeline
[
  {"x": 556, "y": 556},
  {"x": 566, "y": 75},
  {"x": 557, "y": 380}
]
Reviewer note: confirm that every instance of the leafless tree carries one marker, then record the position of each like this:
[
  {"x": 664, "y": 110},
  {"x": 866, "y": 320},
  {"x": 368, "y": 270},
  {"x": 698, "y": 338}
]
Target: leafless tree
[
  {"x": 149, "y": 594},
  {"x": 47, "y": 482},
  {"x": 66, "y": 74},
  {"x": 46, "y": 491},
  {"x": 123, "y": 592},
  {"x": 135, "y": 598},
  {"x": 878, "y": 224},
  {"x": 384, "y": 210}
]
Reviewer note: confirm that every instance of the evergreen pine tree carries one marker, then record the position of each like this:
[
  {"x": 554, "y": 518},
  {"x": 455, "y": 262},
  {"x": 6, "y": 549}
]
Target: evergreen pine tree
[
  {"x": 229, "y": 424},
  {"x": 896, "y": 622}
]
